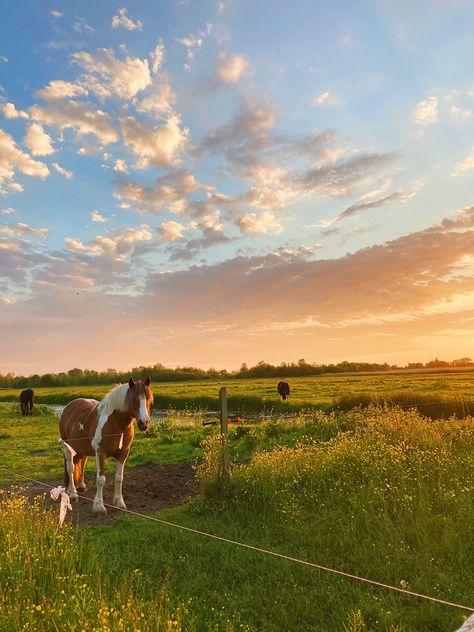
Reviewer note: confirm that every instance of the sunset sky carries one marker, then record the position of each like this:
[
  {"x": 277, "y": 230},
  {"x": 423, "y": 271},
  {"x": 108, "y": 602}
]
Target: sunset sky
[{"x": 215, "y": 182}]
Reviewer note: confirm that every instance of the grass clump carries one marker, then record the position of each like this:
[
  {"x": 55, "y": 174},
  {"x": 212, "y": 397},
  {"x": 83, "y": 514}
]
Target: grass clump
[{"x": 50, "y": 579}]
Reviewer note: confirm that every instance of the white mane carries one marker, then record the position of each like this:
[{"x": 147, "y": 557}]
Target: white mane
[{"x": 115, "y": 400}]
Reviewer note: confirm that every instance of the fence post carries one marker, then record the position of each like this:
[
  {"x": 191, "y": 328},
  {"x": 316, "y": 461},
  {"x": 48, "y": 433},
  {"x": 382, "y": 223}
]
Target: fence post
[{"x": 224, "y": 433}]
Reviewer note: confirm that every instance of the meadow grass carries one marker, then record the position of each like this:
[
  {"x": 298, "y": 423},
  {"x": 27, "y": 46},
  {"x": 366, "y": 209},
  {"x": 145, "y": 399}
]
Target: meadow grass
[
  {"x": 385, "y": 494},
  {"x": 254, "y": 395},
  {"x": 51, "y": 579}
]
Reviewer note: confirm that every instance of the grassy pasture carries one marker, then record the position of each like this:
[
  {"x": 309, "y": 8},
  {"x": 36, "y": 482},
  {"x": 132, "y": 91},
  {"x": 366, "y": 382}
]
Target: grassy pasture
[
  {"x": 247, "y": 396},
  {"x": 384, "y": 494}
]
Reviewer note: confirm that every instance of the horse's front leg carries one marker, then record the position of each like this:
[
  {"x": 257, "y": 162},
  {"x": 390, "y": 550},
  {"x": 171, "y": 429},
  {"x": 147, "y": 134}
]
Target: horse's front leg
[
  {"x": 118, "y": 498},
  {"x": 98, "y": 506}
]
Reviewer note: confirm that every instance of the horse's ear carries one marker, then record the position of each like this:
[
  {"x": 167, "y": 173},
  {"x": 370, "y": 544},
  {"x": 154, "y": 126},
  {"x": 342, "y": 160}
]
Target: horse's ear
[
  {"x": 131, "y": 382},
  {"x": 147, "y": 380}
]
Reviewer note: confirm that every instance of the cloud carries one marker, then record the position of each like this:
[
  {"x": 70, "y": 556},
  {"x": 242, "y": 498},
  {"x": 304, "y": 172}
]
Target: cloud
[
  {"x": 97, "y": 217},
  {"x": 123, "y": 19},
  {"x": 120, "y": 166},
  {"x": 426, "y": 112},
  {"x": 253, "y": 224},
  {"x": 12, "y": 159},
  {"x": 158, "y": 146},
  {"x": 231, "y": 68},
  {"x": 10, "y": 112},
  {"x": 38, "y": 141},
  {"x": 340, "y": 178},
  {"x": 81, "y": 26},
  {"x": 405, "y": 276},
  {"x": 64, "y": 172},
  {"x": 250, "y": 123},
  {"x": 115, "y": 246},
  {"x": 55, "y": 14},
  {"x": 466, "y": 165},
  {"x": 82, "y": 117},
  {"x": 160, "y": 102},
  {"x": 59, "y": 89},
  {"x": 157, "y": 57},
  {"x": 109, "y": 76},
  {"x": 325, "y": 99},
  {"x": 20, "y": 230},
  {"x": 171, "y": 231},
  {"x": 169, "y": 192},
  {"x": 356, "y": 208},
  {"x": 193, "y": 42}
]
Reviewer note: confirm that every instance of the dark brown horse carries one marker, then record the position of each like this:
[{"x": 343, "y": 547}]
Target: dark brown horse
[
  {"x": 103, "y": 429},
  {"x": 284, "y": 389},
  {"x": 26, "y": 401}
]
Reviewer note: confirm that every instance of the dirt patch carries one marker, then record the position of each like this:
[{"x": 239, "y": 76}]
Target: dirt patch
[{"x": 146, "y": 488}]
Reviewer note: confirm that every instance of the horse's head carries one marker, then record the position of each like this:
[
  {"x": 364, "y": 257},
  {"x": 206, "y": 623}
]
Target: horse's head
[{"x": 140, "y": 399}]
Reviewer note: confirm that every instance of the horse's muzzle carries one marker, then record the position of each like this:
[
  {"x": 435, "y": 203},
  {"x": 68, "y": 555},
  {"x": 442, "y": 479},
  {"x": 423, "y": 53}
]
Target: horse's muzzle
[{"x": 143, "y": 425}]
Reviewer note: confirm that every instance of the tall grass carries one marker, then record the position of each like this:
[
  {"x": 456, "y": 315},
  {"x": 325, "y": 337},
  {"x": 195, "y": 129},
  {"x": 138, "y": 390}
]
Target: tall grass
[
  {"x": 390, "y": 496},
  {"x": 50, "y": 579},
  {"x": 432, "y": 405}
]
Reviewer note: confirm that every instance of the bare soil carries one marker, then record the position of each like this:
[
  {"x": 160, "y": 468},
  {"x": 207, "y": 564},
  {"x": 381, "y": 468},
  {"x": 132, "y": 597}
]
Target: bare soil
[{"x": 146, "y": 489}]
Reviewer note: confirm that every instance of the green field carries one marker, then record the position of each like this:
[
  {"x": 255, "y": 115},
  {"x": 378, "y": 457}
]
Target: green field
[
  {"x": 246, "y": 396},
  {"x": 384, "y": 494}
]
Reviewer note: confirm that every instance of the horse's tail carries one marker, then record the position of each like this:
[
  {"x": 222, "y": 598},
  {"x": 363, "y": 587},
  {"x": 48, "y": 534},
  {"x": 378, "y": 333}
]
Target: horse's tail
[{"x": 66, "y": 475}]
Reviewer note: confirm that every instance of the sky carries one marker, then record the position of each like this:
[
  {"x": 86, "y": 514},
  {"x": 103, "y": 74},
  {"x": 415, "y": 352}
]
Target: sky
[{"x": 217, "y": 182}]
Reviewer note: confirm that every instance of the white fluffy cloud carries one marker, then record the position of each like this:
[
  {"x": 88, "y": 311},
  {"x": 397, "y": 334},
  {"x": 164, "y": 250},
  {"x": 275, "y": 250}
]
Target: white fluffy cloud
[
  {"x": 38, "y": 141},
  {"x": 108, "y": 76},
  {"x": 21, "y": 230},
  {"x": 171, "y": 231},
  {"x": 159, "y": 146},
  {"x": 97, "y": 217},
  {"x": 426, "y": 112},
  {"x": 231, "y": 68},
  {"x": 123, "y": 19},
  {"x": 84, "y": 118},
  {"x": 253, "y": 224},
  {"x": 116, "y": 246},
  {"x": 12, "y": 158},
  {"x": 58, "y": 89},
  {"x": 10, "y": 112},
  {"x": 160, "y": 102}
]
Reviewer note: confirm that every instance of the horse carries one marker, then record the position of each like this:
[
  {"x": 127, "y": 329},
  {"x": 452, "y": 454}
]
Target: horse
[
  {"x": 26, "y": 401},
  {"x": 283, "y": 389},
  {"x": 103, "y": 429}
]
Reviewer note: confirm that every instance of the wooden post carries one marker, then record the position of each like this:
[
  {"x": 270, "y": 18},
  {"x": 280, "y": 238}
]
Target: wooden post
[{"x": 224, "y": 433}]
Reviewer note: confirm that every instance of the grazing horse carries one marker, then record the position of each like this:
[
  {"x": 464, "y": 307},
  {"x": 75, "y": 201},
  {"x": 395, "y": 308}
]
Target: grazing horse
[
  {"x": 103, "y": 429},
  {"x": 284, "y": 389},
  {"x": 26, "y": 401}
]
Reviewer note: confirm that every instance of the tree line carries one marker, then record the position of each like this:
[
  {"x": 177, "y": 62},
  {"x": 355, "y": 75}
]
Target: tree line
[{"x": 160, "y": 373}]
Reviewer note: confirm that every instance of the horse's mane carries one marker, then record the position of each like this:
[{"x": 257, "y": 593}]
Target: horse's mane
[{"x": 115, "y": 400}]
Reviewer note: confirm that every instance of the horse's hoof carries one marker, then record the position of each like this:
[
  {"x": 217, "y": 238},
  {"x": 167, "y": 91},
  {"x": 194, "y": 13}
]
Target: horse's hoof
[
  {"x": 99, "y": 509},
  {"x": 119, "y": 503},
  {"x": 73, "y": 496}
]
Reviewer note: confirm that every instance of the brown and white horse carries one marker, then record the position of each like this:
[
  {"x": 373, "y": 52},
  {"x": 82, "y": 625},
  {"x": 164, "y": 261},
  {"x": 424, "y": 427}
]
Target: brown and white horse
[{"x": 103, "y": 429}]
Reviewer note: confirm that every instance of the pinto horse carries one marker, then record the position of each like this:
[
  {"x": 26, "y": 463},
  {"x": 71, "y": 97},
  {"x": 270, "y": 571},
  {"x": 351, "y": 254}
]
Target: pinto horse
[
  {"x": 103, "y": 429},
  {"x": 26, "y": 401}
]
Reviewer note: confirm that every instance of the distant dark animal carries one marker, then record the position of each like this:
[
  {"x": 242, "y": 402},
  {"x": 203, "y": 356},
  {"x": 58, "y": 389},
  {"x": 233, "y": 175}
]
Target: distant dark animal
[
  {"x": 103, "y": 429},
  {"x": 26, "y": 400},
  {"x": 284, "y": 389}
]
